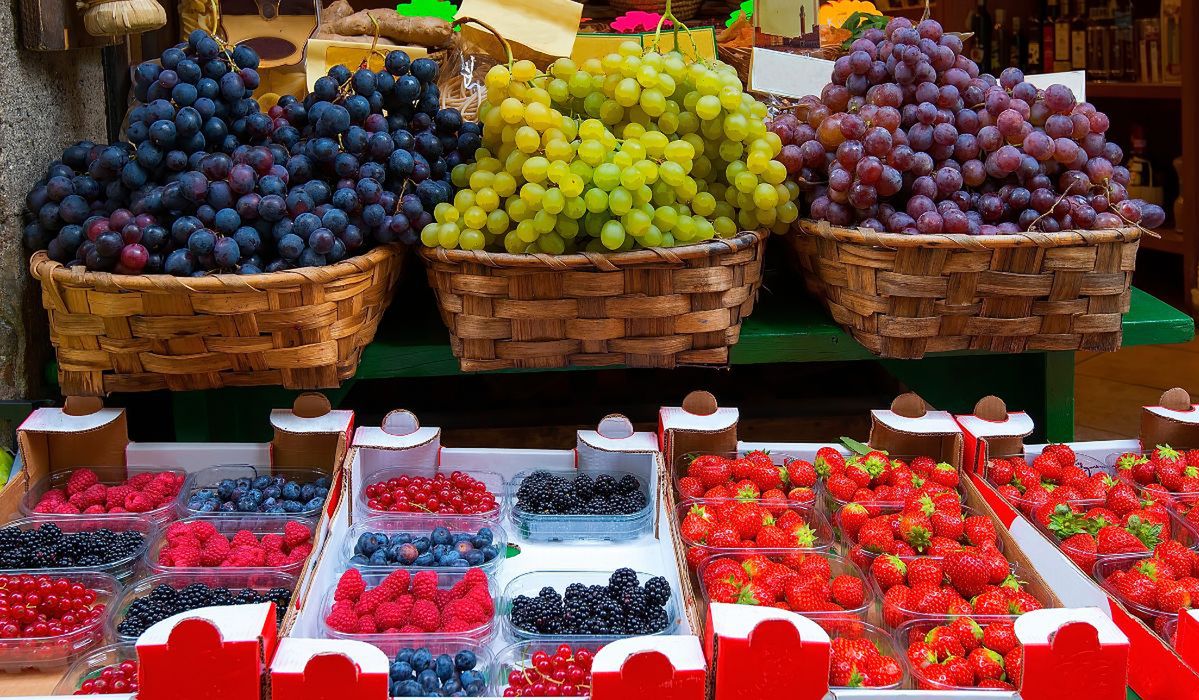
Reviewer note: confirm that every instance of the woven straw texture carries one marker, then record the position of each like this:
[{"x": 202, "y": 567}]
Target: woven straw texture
[
  {"x": 302, "y": 329},
  {"x": 681, "y": 9},
  {"x": 902, "y": 296},
  {"x": 645, "y": 308}
]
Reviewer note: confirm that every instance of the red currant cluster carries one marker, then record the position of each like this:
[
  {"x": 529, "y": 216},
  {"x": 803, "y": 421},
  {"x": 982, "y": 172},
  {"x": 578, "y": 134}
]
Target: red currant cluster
[
  {"x": 41, "y": 606},
  {"x": 566, "y": 673},
  {"x": 117, "y": 678},
  {"x": 458, "y": 493}
]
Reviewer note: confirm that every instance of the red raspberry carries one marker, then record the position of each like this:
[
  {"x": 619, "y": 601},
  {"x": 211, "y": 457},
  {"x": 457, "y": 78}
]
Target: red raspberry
[
  {"x": 117, "y": 509},
  {"x": 294, "y": 533},
  {"x": 342, "y": 619},
  {"x": 116, "y": 495},
  {"x": 426, "y": 615},
  {"x": 465, "y": 610},
  {"x": 442, "y": 598},
  {"x": 396, "y": 583},
  {"x": 66, "y": 509},
  {"x": 272, "y": 542},
  {"x": 244, "y": 538},
  {"x": 215, "y": 551},
  {"x": 411, "y": 629},
  {"x": 247, "y": 556},
  {"x": 94, "y": 510},
  {"x": 475, "y": 576},
  {"x": 424, "y": 584},
  {"x": 138, "y": 503},
  {"x": 48, "y": 507},
  {"x": 80, "y": 479},
  {"x": 54, "y": 496},
  {"x": 350, "y": 586},
  {"x": 369, "y": 601},
  {"x": 367, "y": 625},
  {"x": 390, "y": 615},
  {"x": 405, "y": 602},
  {"x": 138, "y": 481},
  {"x": 94, "y": 495},
  {"x": 299, "y": 553},
  {"x": 483, "y": 598},
  {"x": 185, "y": 555},
  {"x": 204, "y": 531},
  {"x": 275, "y": 559}
]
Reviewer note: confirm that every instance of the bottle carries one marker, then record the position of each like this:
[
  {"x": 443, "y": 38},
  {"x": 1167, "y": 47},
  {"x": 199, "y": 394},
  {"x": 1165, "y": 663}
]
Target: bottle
[
  {"x": 1078, "y": 36},
  {"x": 979, "y": 22},
  {"x": 1140, "y": 171},
  {"x": 1123, "y": 61},
  {"x": 1099, "y": 45},
  {"x": 1048, "y": 35},
  {"x": 1062, "y": 57},
  {"x": 1018, "y": 46},
  {"x": 999, "y": 43},
  {"x": 1033, "y": 38}
]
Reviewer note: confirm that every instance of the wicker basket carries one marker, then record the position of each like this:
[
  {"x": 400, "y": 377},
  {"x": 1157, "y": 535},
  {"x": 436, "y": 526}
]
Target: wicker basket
[
  {"x": 682, "y": 9},
  {"x": 646, "y": 308},
  {"x": 902, "y": 296},
  {"x": 302, "y": 329}
]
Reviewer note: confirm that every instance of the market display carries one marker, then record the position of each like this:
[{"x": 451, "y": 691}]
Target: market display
[
  {"x": 82, "y": 492},
  {"x": 963, "y": 652},
  {"x": 34, "y": 544},
  {"x": 169, "y": 598}
]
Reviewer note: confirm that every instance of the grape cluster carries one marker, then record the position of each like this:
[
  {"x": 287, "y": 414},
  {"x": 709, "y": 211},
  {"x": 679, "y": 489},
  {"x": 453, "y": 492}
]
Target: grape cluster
[
  {"x": 209, "y": 182},
  {"x": 663, "y": 151},
  {"x": 909, "y": 137}
]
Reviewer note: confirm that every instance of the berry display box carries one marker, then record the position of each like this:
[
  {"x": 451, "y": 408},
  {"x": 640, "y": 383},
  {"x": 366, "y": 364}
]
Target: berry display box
[
  {"x": 83, "y": 433},
  {"x": 1156, "y": 670}
]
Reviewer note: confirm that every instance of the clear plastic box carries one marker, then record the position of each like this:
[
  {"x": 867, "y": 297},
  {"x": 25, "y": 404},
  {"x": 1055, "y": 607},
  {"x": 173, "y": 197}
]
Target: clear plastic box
[
  {"x": 259, "y": 524},
  {"x": 121, "y": 569},
  {"x": 877, "y": 509},
  {"x": 493, "y": 481},
  {"x": 529, "y": 584},
  {"x": 484, "y": 660},
  {"x": 90, "y": 665},
  {"x": 537, "y": 527},
  {"x": 915, "y": 630},
  {"x": 445, "y": 579},
  {"x": 210, "y": 478},
  {"x": 1088, "y": 464},
  {"x": 832, "y": 619},
  {"x": 881, "y": 640},
  {"x": 905, "y": 613},
  {"x": 44, "y": 653},
  {"x": 682, "y": 465},
  {"x": 823, "y": 541},
  {"x": 832, "y": 504},
  {"x": 1153, "y": 488},
  {"x": 390, "y": 525},
  {"x": 1104, "y": 568},
  {"x": 518, "y": 657},
  {"x": 1179, "y": 529},
  {"x": 109, "y": 476},
  {"x": 257, "y": 579}
]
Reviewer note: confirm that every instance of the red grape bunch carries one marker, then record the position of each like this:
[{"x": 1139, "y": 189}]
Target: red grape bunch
[{"x": 909, "y": 137}]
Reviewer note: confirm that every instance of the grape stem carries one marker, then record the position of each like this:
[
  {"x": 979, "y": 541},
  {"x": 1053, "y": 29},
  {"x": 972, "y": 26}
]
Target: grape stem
[{"x": 674, "y": 25}]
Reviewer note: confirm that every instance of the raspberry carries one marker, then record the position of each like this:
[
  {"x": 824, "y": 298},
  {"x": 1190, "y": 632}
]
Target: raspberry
[
  {"x": 214, "y": 552},
  {"x": 92, "y": 510},
  {"x": 396, "y": 583},
  {"x": 244, "y": 538},
  {"x": 366, "y": 625},
  {"x": 405, "y": 602},
  {"x": 80, "y": 479},
  {"x": 298, "y": 554},
  {"x": 138, "y": 503},
  {"x": 139, "y": 481},
  {"x": 483, "y": 598},
  {"x": 350, "y": 586},
  {"x": 390, "y": 615},
  {"x": 465, "y": 610},
  {"x": 475, "y": 577},
  {"x": 441, "y": 598},
  {"x": 186, "y": 555},
  {"x": 247, "y": 556},
  {"x": 426, "y": 615},
  {"x": 65, "y": 509},
  {"x": 94, "y": 495},
  {"x": 275, "y": 559},
  {"x": 369, "y": 601},
  {"x": 117, "y": 509},
  {"x": 411, "y": 629},
  {"x": 272, "y": 542},
  {"x": 458, "y": 625},
  {"x": 45, "y": 507},
  {"x": 204, "y": 530},
  {"x": 424, "y": 584},
  {"x": 54, "y": 496},
  {"x": 116, "y": 495},
  {"x": 343, "y": 620},
  {"x": 294, "y": 533}
]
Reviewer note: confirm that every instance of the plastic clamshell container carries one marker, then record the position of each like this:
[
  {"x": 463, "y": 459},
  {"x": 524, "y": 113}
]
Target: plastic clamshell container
[
  {"x": 824, "y": 536},
  {"x": 832, "y": 504},
  {"x": 1179, "y": 530},
  {"x": 258, "y": 523},
  {"x": 1153, "y": 488},
  {"x": 906, "y": 613},
  {"x": 421, "y": 526},
  {"x": 519, "y": 657},
  {"x": 445, "y": 579},
  {"x": 915, "y": 630},
  {"x": 109, "y": 476},
  {"x": 1108, "y": 566},
  {"x": 209, "y": 479},
  {"x": 877, "y": 509},
  {"x": 121, "y": 569},
  {"x": 91, "y": 664},
  {"x": 259, "y": 579},
  {"x": 1170, "y": 632},
  {"x": 881, "y": 640},
  {"x": 1089, "y": 464},
  {"x": 494, "y": 482},
  {"x": 529, "y": 584},
  {"x": 831, "y": 619},
  {"x": 682, "y": 463},
  {"x": 438, "y": 645},
  {"x": 44, "y": 653},
  {"x": 538, "y": 527}
]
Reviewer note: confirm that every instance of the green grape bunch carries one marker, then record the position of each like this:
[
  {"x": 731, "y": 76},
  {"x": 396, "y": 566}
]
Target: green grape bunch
[{"x": 635, "y": 150}]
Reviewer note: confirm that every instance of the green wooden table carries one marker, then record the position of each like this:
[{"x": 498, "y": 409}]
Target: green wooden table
[{"x": 786, "y": 326}]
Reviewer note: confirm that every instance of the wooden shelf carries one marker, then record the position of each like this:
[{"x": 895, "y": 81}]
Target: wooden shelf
[
  {"x": 1171, "y": 241},
  {"x": 1132, "y": 90}
]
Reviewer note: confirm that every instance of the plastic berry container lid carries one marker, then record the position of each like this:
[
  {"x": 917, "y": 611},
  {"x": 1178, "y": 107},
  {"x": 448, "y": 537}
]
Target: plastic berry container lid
[
  {"x": 519, "y": 657},
  {"x": 109, "y": 476},
  {"x": 260, "y": 525},
  {"x": 121, "y": 569},
  {"x": 258, "y": 579},
  {"x": 682, "y": 463},
  {"x": 529, "y": 584},
  {"x": 445, "y": 579},
  {"x": 43, "y": 653},
  {"x": 1089, "y": 464},
  {"x": 89, "y": 666},
  {"x": 888, "y": 508},
  {"x": 484, "y": 660},
  {"x": 422, "y": 526},
  {"x": 880, "y": 638},
  {"x": 822, "y": 542},
  {"x": 540, "y": 527},
  {"x": 916, "y": 629},
  {"x": 491, "y": 480},
  {"x": 211, "y": 478},
  {"x": 830, "y": 619},
  {"x": 1104, "y": 570}
]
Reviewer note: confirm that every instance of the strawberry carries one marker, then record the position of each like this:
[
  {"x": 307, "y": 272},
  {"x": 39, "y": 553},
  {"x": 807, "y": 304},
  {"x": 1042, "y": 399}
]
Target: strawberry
[
  {"x": 934, "y": 678},
  {"x": 916, "y": 530},
  {"x": 945, "y": 642},
  {"x": 745, "y": 490},
  {"x": 1000, "y": 472},
  {"x": 1081, "y": 549},
  {"x": 961, "y": 673},
  {"x": 747, "y": 519},
  {"x": 1013, "y": 665},
  {"x": 1122, "y": 498},
  {"x": 1181, "y": 559},
  {"x": 888, "y": 570},
  {"x": 896, "y": 600},
  {"x": 851, "y": 518},
  {"x": 802, "y": 536},
  {"x": 1135, "y": 587},
  {"x": 968, "y": 632},
  {"x": 841, "y": 487},
  {"x": 921, "y": 655},
  {"x": 1172, "y": 596},
  {"x": 696, "y": 525},
  {"x": 691, "y": 487},
  {"x": 711, "y": 470},
  {"x": 802, "y": 494},
  {"x": 848, "y": 591},
  {"x": 801, "y": 473},
  {"x": 876, "y": 536},
  {"x": 828, "y": 460},
  {"x": 767, "y": 476},
  {"x": 980, "y": 530},
  {"x": 1000, "y": 636},
  {"x": 723, "y": 538},
  {"x": 944, "y": 474},
  {"x": 1136, "y": 536},
  {"x": 951, "y": 526},
  {"x": 1048, "y": 467},
  {"x": 967, "y": 571},
  {"x": 772, "y": 537},
  {"x": 926, "y": 571},
  {"x": 987, "y": 664}
]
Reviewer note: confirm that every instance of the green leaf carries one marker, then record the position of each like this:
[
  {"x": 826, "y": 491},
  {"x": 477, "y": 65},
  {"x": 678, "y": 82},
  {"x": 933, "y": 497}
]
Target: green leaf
[{"x": 858, "y": 447}]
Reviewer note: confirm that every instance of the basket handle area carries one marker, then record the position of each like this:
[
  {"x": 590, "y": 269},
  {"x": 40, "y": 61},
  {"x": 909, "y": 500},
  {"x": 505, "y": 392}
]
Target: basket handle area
[
  {"x": 1024, "y": 239},
  {"x": 494, "y": 32}
]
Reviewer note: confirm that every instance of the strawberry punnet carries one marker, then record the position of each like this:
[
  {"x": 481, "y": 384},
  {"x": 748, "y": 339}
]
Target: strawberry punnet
[
  {"x": 749, "y": 476},
  {"x": 1154, "y": 587},
  {"x": 963, "y": 652},
  {"x": 1085, "y": 537},
  {"x": 710, "y": 526},
  {"x": 926, "y": 524},
  {"x": 877, "y": 477}
]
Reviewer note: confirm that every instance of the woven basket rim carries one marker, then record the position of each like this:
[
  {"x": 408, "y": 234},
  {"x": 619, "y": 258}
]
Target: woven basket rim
[
  {"x": 43, "y": 269},
  {"x": 573, "y": 261},
  {"x": 1028, "y": 239}
]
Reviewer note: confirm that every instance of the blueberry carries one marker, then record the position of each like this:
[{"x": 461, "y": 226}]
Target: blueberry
[
  {"x": 489, "y": 552},
  {"x": 239, "y": 492},
  {"x": 195, "y": 502},
  {"x": 440, "y": 550},
  {"x": 225, "y": 488},
  {"x": 407, "y": 554},
  {"x": 359, "y": 560},
  {"x": 270, "y": 503},
  {"x": 444, "y": 666},
  {"x": 475, "y": 689},
  {"x": 379, "y": 558},
  {"x": 400, "y": 538},
  {"x": 428, "y": 679},
  {"x": 261, "y": 482},
  {"x": 474, "y": 557},
  {"x": 278, "y": 481},
  {"x": 405, "y": 655},
  {"x": 485, "y": 535},
  {"x": 366, "y": 544},
  {"x": 425, "y": 559},
  {"x": 291, "y": 491},
  {"x": 322, "y": 483},
  {"x": 314, "y": 504},
  {"x": 292, "y": 507},
  {"x": 464, "y": 547},
  {"x": 450, "y": 687},
  {"x": 272, "y": 492},
  {"x": 465, "y": 660},
  {"x": 421, "y": 658},
  {"x": 400, "y": 670},
  {"x": 243, "y": 482},
  {"x": 460, "y": 537},
  {"x": 320, "y": 492},
  {"x": 207, "y": 507},
  {"x": 206, "y": 494},
  {"x": 380, "y": 540},
  {"x": 247, "y": 505},
  {"x": 409, "y": 689},
  {"x": 227, "y": 507},
  {"x": 275, "y": 508},
  {"x": 421, "y": 544},
  {"x": 441, "y": 535},
  {"x": 307, "y": 491}
]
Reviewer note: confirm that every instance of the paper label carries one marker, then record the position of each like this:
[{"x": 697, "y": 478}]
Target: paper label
[
  {"x": 699, "y": 43},
  {"x": 1076, "y": 80},
  {"x": 788, "y": 74}
]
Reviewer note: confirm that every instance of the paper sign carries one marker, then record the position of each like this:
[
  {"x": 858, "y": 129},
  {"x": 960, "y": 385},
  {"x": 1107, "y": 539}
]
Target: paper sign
[
  {"x": 1076, "y": 80},
  {"x": 788, "y": 74},
  {"x": 699, "y": 43},
  {"x": 537, "y": 29},
  {"x": 786, "y": 18}
]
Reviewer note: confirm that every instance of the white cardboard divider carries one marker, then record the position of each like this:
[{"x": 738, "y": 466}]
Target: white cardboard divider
[
  {"x": 237, "y": 623},
  {"x": 932, "y": 422},
  {"x": 1191, "y": 416},
  {"x": 293, "y": 653},
  {"x": 1016, "y": 425},
  {"x": 675, "y": 418},
  {"x": 331, "y": 422},
  {"x": 56, "y": 420},
  {"x": 684, "y": 652},
  {"x": 1039, "y": 625}
]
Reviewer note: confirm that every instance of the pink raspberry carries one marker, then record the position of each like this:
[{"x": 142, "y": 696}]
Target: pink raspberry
[
  {"x": 138, "y": 503},
  {"x": 94, "y": 495},
  {"x": 116, "y": 495},
  {"x": 80, "y": 479},
  {"x": 275, "y": 558},
  {"x": 214, "y": 552},
  {"x": 294, "y": 533},
  {"x": 54, "y": 496},
  {"x": 272, "y": 542},
  {"x": 138, "y": 481},
  {"x": 46, "y": 507},
  {"x": 185, "y": 555},
  {"x": 204, "y": 531},
  {"x": 244, "y": 538},
  {"x": 66, "y": 509},
  {"x": 299, "y": 553},
  {"x": 94, "y": 510},
  {"x": 367, "y": 625}
]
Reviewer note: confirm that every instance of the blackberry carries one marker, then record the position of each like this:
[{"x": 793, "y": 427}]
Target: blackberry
[
  {"x": 164, "y": 601},
  {"x": 605, "y": 485},
  {"x": 47, "y": 546},
  {"x": 623, "y": 607},
  {"x": 658, "y": 590},
  {"x": 622, "y": 581},
  {"x": 628, "y": 484}
]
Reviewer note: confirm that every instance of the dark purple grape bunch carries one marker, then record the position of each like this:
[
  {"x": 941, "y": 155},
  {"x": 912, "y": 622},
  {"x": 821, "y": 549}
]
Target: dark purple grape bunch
[{"x": 909, "y": 137}]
